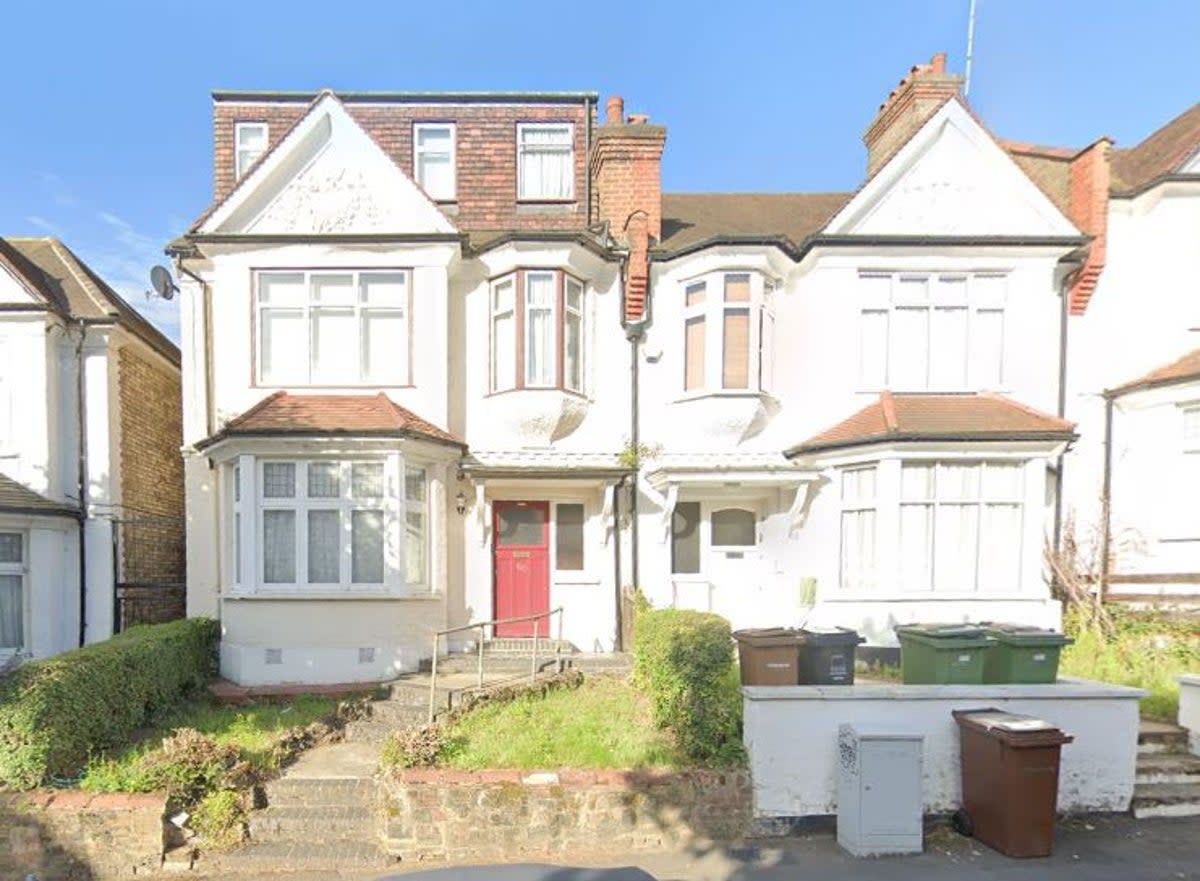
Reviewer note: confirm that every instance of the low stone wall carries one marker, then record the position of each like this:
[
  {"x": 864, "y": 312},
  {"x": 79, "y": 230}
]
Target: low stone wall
[
  {"x": 1189, "y": 709},
  {"x": 79, "y": 835},
  {"x": 438, "y": 814}
]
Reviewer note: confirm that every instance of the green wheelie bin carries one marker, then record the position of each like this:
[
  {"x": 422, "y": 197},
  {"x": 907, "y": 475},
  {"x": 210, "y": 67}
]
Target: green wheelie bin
[
  {"x": 941, "y": 654},
  {"x": 1020, "y": 653}
]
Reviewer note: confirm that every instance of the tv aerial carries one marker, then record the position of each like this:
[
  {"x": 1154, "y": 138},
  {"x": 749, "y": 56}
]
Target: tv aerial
[{"x": 163, "y": 284}]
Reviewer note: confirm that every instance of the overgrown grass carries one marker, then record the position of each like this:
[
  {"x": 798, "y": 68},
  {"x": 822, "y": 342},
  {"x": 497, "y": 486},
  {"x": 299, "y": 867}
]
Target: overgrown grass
[
  {"x": 251, "y": 730},
  {"x": 1146, "y": 650},
  {"x": 605, "y": 723}
]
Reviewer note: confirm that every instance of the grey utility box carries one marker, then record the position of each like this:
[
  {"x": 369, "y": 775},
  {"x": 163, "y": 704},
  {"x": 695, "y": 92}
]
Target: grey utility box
[{"x": 879, "y": 804}]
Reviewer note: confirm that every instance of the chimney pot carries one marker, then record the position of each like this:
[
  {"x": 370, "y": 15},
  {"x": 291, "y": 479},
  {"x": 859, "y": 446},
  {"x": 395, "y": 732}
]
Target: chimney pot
[
  {"x": 938, "y": 63},
  {"x": 638, "y": 118},
  {"x": 615, "y": 109}
]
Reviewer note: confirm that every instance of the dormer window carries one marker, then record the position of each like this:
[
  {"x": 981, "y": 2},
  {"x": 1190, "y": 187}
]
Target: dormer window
[
  {"x": 537, "y": 331},
  {"x": 728, "y": 331},
  {"x": 434, "y": 159},
  {"x": 250, "y": 142},
  {"x": 545, "y": 162}
]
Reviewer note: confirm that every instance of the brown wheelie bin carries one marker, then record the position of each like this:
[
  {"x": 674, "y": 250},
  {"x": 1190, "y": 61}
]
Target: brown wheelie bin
[
  {"x": 769, "y": 656},
  {"x": 1009, "y": 780}
]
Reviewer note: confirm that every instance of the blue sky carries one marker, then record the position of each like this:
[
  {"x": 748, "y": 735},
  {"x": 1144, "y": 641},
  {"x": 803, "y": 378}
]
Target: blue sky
[{"x": 107, "y": 137}]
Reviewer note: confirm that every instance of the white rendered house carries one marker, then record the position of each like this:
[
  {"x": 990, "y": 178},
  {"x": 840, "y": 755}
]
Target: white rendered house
[{"x": 455, "y": 358}]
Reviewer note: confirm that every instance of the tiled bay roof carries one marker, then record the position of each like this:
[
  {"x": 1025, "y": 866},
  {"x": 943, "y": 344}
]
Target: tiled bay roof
[
  {"x": 1180, "y": 370},
  {"x": 16, "y": 498}
]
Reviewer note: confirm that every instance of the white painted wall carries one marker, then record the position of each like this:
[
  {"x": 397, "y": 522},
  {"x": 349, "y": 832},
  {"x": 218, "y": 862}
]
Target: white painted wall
[
  {"x": 1189, "y": 709},
  {"x": 791, "y": 735}
]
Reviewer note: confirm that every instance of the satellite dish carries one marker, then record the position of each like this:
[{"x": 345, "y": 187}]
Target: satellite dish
[{"x": 161, "y": 281}]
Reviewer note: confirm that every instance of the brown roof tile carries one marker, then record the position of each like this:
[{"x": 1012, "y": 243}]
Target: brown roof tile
[
  {"x": 17, "y": 498},
  {"x": 284, "y": 414},
  {"x": 1160, "y": 154},
  {"x": 930, "y": 417},
  {"x": 1179, "y": 370},
  {"x": 690, "y": 219}
]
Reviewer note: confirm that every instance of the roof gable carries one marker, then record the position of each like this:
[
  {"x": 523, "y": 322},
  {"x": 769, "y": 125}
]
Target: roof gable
[
  {"x": 1173, "y": 149},
  {"x": 326, "y": 176},
  {"x": 951, "y": 178},
  {"x": 15, "y": 290}
]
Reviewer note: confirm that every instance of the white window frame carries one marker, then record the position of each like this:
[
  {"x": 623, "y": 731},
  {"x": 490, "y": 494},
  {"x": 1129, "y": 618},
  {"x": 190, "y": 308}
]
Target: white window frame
[
  {"x": 1189, "y": 433},
  {"x": 519, "y": 279},
  {"x": 521, "y": 147},
  {"x": 858, "y": 505},
  {"x": 419, "y": 151},
  {"x": 975, "y": 302},
  {"x": 760, "y": 351},
  {"x": 304, "y": 375},
  {"x": 240, "y": 167},
  {"x": 21, "y": 570}
]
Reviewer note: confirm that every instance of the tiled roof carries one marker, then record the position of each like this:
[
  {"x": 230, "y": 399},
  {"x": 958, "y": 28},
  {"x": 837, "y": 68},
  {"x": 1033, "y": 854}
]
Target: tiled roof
[
  {"x": 283, "y": 414},
  {"x": 18, "y": 498},
  {"x": 1160, "y": 154},
  {"x": 932, "y": 417},
  {"x": 690, "y": 219},
  {"x": 72, "y": 289},
  {"x": 1179, "y": 370}
]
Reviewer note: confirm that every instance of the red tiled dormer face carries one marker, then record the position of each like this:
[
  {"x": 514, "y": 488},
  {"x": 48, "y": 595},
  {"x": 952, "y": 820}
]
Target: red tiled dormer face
[{"x": 505, "y": 156}]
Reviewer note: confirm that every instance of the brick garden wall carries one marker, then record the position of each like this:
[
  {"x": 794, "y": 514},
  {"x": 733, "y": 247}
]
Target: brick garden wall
[
  {"x": 438, "y": 814},
  {"x": 61, "y": 835}
]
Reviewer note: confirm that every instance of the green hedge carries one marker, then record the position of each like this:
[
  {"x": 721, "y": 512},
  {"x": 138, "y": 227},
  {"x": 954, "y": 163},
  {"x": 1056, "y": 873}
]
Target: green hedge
[
  {"x": 684, "y": 662},
  {"x": 55, "y": 713}
]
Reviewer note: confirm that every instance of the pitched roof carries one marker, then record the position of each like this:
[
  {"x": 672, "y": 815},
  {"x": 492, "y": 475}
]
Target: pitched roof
[
  {"x": 282, "y": 414},
  {"x": 73, "y": 290},
  {"x": 693, "y": 219},
  {"x": 934, "y": 417},
  {"x": 1180, "y": 370},
  {"x": 1160, "y": 154},
  {"x": 16, "y": 498}
]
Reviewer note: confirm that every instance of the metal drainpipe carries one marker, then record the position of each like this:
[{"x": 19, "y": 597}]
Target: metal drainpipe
[
  {"x": 82, "y": 476},
  {"x": 1064, "y": 313},
  {"x": 619, "y": 641},
  {"x": 1106, "y": 498}
]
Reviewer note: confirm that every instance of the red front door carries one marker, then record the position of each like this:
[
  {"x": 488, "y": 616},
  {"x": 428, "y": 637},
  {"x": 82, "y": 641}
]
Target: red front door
[{"x": 521, "y": 537}]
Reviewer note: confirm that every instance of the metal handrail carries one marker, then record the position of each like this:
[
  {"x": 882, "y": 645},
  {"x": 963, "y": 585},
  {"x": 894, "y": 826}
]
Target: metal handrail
[{"x": 482, "y": 626}]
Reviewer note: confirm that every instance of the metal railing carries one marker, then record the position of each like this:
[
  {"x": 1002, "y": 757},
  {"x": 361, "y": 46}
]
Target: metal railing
[{"x": 482, "y": 627}]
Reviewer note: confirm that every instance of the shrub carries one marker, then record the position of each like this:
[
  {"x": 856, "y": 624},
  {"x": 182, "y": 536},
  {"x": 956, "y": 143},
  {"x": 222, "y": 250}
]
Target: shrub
[
  {"x": 415, "y": 747},
  {"x": 684, "y": 662},
  {"x": 55, "y": 713},
  {"x": 219, "y": 819}
]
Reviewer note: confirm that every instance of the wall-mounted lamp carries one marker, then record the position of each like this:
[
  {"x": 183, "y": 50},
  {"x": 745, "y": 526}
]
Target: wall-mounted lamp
[{"x": 460, "y": 502}]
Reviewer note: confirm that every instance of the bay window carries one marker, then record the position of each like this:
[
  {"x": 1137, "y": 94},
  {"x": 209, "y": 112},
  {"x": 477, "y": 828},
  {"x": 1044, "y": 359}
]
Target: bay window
[
  {"x": 537, "y": 331},
  {"x": 334, "y": 328},
  {"x": 932, "y": 331},
  {"x": 249, "y": 143},
  {"x": 12, "y": 591},
  {"x": 728, "y": 330},
  {"x": 434, "y": 159},
  {"x": 545, "y": 162}
]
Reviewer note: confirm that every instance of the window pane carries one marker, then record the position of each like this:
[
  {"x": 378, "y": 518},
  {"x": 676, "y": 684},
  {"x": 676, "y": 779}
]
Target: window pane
[
  {"x": 324, "y": 547},
  {"x": 284, "y": 346},
  {"x": 948, "y": 349},
  {"x": 540, "y": 361},
  {"x": 546, "y": 168},
  {"x": 858, "y": 549},
  {"x": 333, "y": 290},
  {"x": 384, "y": 289},
  {"x": 735, "y": 369},
  {"x": 434, "y": 138},
  {"x": 504, "y": 354},
  {"x": 733, "y": 527},
  {"x": 251, "y": 137},
  {"x": 502, "y": 296},
  {"x": 987, "y": 349},
  {"x": 1191, "y": 426},
  {"x": 324, "y": 480},
  {"x": 521, "y": 525},
  {"x": 366, "y": 547},
  {"x": 282, "y": 289},
  {"x": 414, "y": 485},
  {"x": 568, "y": 544},
  {"x": 911, "y": 289},
  {"x": 279, "y": 547},
  {"x": 916, "y": 547},
  {"x": 335, "y": 346},
  {"x": 385, "y": 336},
  {"x": 858, "y": 486},
  {"x": 737, "y": 288},
  {"x": 916, "y": 482},
  {"x": 950, "y": 290},
  {"x": 574, "y": 294},
  {"x": 1003, "y": 480},
  {"x": 10, "y": 547},
  {"x": 685, "y": 538},
  {"x": 435, "y": 174},
  {"x": 415, "y": 548},
  {"x": 958, "y": 482},
  {"x": 872, "y": 350},
  {"x": 237, "y": 547},
  {"x": 12, "y": 612},
  {"x": 909, "y": 349},
  {"x": 766, "y": 350},
  {"x": 693, "y": 347},
  {"x": 989, "y": 291},
  {"x": 955, "y": 545},
  {"x": 1000, "y": 548},
  {"x": 572, "y": 359},
  {"x": 366, "y": 480},
  {"x": 694, "y": 294},
  {"x": 279, "y": 480}
]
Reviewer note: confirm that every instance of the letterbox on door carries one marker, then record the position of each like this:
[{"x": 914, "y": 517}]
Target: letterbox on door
[{"x": 880, "y": 808}]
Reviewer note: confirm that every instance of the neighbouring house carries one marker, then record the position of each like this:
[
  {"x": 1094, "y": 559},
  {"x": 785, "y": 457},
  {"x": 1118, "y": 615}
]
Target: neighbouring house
[
  {"x": 91, "y": 477},
  {"x": 457, "y": 357}
]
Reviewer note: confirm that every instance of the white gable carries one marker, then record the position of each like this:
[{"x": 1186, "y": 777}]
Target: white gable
[
  {"x": 1192, "y": 166},
  {"x": 328, "y": 176},
  {"x": 951, "y": 179},
  {"x": 14, "y": 290}
]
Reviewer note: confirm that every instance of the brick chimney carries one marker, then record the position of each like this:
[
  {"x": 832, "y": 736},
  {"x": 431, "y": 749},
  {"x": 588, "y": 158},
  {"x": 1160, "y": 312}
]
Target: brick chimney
[
  {"x": 626, "y": 170},
  {"x": 910, "y": 105},
  {"x": 1088, "y": 193}
]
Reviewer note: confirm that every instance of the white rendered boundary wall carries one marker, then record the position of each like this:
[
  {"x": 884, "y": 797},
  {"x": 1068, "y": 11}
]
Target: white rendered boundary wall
[
  {"x": 791, "y": 736},
  {"x": 1189, "y": 709}
]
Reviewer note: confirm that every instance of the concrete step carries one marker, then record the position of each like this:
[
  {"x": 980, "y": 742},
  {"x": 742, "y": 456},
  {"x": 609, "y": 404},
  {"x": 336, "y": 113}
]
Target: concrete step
[
  {"x": 340, "y": 823},
  {"x": 1161, "y": 737},
  {"x": 414, "y": 692},
  {"x": 1168, "y": 768},
  {"x": 398, "y": 713},
  {"x": 517, "y": 664},
  {"x": 259, "y": 860},
  {"x": 372, "y": 732},
  {"x": 1166, "y": 800},
  {"x": 330, "y": 792}
]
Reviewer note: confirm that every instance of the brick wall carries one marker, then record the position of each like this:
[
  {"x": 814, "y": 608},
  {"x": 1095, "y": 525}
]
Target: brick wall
[
  {"x": 910, "y": 105},
  {"x": 437, "y": 814},
  {"x": 72, "y": 834},
  {"x": 486, "y": 160},
  {"x": 151, "y": 531}
]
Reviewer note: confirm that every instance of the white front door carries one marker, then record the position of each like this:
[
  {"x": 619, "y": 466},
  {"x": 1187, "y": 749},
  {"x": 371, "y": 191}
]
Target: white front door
[{"x": 733, "y": 562}]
